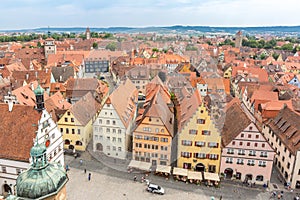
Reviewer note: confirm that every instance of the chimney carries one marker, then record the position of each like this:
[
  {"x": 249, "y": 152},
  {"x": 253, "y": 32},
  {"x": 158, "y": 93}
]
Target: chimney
[
  {"x": 10, "y": 105},
  {"x": 60, "y": 78},
  {"x": 46, "y": 70},
  {"x": 27, "y": 76},
  {"x": 36, "y": 74}
]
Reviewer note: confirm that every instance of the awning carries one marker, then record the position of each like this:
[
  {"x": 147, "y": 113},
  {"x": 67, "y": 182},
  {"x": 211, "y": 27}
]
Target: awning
[
  {"x": 211, "y": 176},
  {"x": 180, "y": 171},
  {"x": 194, "y": 175},
  {"x": 163, "y": 169},
  {"x": 140, "y": 165}
]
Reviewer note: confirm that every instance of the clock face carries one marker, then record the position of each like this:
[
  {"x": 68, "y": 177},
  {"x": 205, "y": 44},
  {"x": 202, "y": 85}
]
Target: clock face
[{"x": 47, "y": 143}]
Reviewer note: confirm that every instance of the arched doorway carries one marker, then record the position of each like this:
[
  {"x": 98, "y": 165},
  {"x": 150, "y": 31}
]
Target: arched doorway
[
  {"x": 200, "y": 167},
  {"x": 6, "y": 188},
  {"x": 67, "y": 142},
  {"x": 248, "y": 177},
  {"x": 228, "y": 172},
  {"x": 99, "y": 147},
  {"x": 71, "y": 147}
]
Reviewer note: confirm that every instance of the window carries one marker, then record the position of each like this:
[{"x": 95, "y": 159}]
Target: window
[
  {"x": 263, "y": 145},
  {"x": 67, "y": 130},
  {"x": 119, "y": 131},
  {"x": 114, "y": 148},
  {"x": 164, "y": 139},
  {"x": 242, "y": 135},
  {"x": 114, "y": 130},
  {"x": 283, "y": 158},
  {"x": 248, "y": 144},
  {"x": 255, "y": 144},
  {"x": 186, "y": 154},
  {"x": 260, "y": 178},
  {"x": 230, "y": 151},
  {"x": 213, "y": 156},
  {"x": 114, "y": 139},
  {"x": 73, "y": 131},
  {"x": 72, "y": 119},
  {"x": 263, "y": 154},
  {"x": 107, "y": 147},
  {"x": 100, "y": 121},
  {"x": 156, "y": 130},
  {"x": 205, "y": 132},
  {"x": 193, "y": 132},
  {"x": 119, "y": 139},
  {"x": 262, "y": 163},
  {"x": 162, "y": 130},
  {"x": 61, "y": 130},
  {"x": 119, "y": 148},
  {"x": 213, "y": 144},
  {"x": 251, "y": 162},
  {"x": 107, "y": 122},
  {"x": 66, "y": 119},
  {"x": 249, "y": 135},
  {"x": 200, "y": 121},
  {"x": 200, "y": 155},
  {"x": 241, "y": 143},
  {"x": 288, "y": 165},
  {"x": 147, "y": 129},
  {"x": 138, "y": 137},
  {"x": 107, "y": 130},
  {"x": 108, "y": 138},
  {"x": 241, "y": 152},
  {"x": 156, "y": 139},
  {"x": 186, "y": 143},
  {"x": 114, "y": 122},
  {"x": 229, "y": 160},
  {"x": 199, "y": 144},
  {"x": 18, "y": 171},
  {"x": 233, "y": 143},
  {"x": 146, "y": 137},
  {"x": 3, "y": 169},
  {"x": 257, "y": 136},
  {"x": 240, "y": 161},
  {"x": 68, "y": 113},
  {"x": 252, "y": 153}
]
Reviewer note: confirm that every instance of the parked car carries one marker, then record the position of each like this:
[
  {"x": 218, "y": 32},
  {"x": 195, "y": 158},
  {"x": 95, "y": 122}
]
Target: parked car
[{"x": 155, "y": 189}]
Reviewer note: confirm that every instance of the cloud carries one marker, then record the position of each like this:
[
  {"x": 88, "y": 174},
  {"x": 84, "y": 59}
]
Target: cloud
[{"x": 102, "y": 13}]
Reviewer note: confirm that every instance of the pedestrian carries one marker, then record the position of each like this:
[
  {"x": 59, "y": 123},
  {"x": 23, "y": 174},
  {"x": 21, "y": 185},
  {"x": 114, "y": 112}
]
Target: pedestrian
[
  {"x": 84, "y": 170},
  {"x": 221, "y": 197},
  {"x": 89, "y": 176},
  {"x": 134, "y": 178},
  {"x": 81, "y": 161},
  {"x": 67, "y": 168}
]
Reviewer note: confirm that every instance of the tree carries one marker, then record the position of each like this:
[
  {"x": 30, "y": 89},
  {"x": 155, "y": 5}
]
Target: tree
[
  {"x": 39, "y": 45},
  {"x": 288, "y": 47},
  {"x": 275, "y": 56},
  {"x": 95, "y": 45},
  {"x": 111, "y": 46}
]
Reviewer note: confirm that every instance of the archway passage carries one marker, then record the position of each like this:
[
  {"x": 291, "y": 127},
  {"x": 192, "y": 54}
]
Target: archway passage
[
  {"x": 71, "y": 147},
  {"x": 67, "y": 142},
  {"x": 7, "y": 188},
  {"x": 249, "y": 177},
  {"x": 228, "y": 173},
  {"x": 200, "y": 167},
  {"x": 99, "y": 147}
]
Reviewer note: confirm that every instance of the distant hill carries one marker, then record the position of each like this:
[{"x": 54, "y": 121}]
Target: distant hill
[{"x": 178, "y": 29}]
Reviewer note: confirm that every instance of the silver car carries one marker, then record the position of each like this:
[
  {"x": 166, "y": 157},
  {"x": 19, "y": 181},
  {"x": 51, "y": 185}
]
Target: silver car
[{"x": 155, "y": 189}]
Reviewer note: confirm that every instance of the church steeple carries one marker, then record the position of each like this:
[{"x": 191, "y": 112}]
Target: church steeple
[
  {"x": 38, "y": 155},
  {"x": 39, "y": 95}
]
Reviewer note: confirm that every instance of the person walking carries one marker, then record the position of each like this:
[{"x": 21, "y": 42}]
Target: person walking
[
  {"x": 81, "y": 161},
  {"x": 85, "y": 170},
  {"x": 89, "y": 176}
]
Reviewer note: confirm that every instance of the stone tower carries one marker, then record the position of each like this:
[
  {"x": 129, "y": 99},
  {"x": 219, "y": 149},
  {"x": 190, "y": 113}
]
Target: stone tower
[
  {"x": 238, "y": 39},
  {"x": 88, "y": 33},
  {"x": 50, "y": 47}
]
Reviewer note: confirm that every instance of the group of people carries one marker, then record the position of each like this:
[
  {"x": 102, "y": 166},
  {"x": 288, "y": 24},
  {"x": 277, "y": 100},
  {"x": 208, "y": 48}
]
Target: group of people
[{"x": 142, "y": 179}]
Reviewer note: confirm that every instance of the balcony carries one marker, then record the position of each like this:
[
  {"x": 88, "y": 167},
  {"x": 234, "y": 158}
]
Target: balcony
[
  {"x": 251, "y": 164},
  {"x": 230, "y": 152},
  {"x": 252, "y": 154},
  {"x": 229, "y": 161},
  {"x": 241, "y": 153}
]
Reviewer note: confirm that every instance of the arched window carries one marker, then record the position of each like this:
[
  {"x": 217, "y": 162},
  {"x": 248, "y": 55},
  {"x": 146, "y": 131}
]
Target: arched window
[
  {"x": 78, "y": 143},
  {"x": 67, "y": 141},
  {"x": 260, "y": 178}
]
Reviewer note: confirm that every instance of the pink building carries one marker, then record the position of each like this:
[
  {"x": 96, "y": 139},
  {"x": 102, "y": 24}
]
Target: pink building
[{"x": 246, "y": 154}]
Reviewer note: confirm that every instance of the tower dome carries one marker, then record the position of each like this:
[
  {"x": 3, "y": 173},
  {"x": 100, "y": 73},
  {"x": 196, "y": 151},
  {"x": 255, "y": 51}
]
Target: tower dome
[
  {"x": 39, "y": 90},
  {"x": 43, "y": 179}
]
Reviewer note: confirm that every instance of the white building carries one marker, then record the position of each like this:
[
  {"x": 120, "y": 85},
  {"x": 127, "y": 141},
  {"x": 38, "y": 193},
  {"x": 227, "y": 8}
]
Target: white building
[
  {"x": 20, "y": 125},
  {"x": 283, "y": 133},
  {"x": 113, "y": 126}
]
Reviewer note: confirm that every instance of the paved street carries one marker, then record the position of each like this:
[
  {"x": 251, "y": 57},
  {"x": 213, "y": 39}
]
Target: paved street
[{"x": 108, "y": 183}]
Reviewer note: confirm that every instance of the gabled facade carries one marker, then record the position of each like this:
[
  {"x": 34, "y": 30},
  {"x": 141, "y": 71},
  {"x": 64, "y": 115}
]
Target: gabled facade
[
  {"x": 76, "y": 123},
  {"x": 113, "y": 125},
  {"x": 295, "y": 81},
  {"x": 246, "y": 154},
  {"x": 153, "y": 135},
  {"x": 283, "y": 133},
  {"x": 199, "y": 141}
]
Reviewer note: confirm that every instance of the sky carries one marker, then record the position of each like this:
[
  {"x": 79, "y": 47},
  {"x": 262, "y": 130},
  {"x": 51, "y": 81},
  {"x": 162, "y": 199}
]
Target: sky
[{"x": 20, "y": 14}]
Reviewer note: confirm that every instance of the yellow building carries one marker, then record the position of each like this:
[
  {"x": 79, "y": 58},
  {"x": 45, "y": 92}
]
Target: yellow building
[
  {"x": 228, "y": 72},
  {"x": 199, "y": 140},
  {"x": 76, "y": 123},
  {"x": 153, "y": 135}
]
